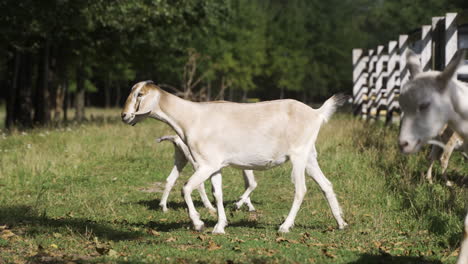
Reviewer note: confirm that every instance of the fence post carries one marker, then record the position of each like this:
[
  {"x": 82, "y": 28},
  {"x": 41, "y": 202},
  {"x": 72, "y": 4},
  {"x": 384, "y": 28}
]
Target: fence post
[
  {"x": 380, "y": 84},
  {"x": 426, "y": 53},
  {"x": 359, "y": 81},
  {"x": 403, "y": 48},
  {"x": 371, "y": 83},
  {"x": 451, "y": 37},
  {"x": 393, "y": 71}
]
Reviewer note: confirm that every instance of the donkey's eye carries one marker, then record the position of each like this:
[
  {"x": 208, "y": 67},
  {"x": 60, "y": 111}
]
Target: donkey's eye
[{"x": 424, "y": 106}]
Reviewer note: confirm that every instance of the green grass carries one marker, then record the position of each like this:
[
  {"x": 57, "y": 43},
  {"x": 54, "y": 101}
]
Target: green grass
[{"x": 73, "y": 194}]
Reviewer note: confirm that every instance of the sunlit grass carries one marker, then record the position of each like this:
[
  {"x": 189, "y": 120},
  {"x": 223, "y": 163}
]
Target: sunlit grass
[{"x": 72, "y": 194}]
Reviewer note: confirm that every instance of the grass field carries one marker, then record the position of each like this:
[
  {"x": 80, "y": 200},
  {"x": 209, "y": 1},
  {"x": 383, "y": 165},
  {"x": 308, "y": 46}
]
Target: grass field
[{"x": 75, "y": 195}]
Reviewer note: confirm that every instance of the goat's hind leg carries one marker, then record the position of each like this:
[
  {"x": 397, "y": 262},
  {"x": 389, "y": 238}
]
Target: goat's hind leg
[
  {"x": 298, "y": 179},
  {"x": 316, "y": 173},
  {"x": 204, "y": 198},
  {"x": 216, "y": 181},
  {"x": 179, "y": 163},
  {"x": 250, "y": 185}
]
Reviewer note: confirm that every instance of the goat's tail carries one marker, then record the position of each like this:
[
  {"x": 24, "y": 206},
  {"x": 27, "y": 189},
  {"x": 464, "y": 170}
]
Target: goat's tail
[{"x": 329, "y": 107}]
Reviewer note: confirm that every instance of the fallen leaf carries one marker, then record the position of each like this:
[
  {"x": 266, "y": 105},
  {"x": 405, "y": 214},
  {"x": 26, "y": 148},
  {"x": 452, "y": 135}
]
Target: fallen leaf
[
  {"x": 202, "y": 237},
  {"x": 5, "y": 234},
  {"x": 153, "y": 232},
  {"x": 237, "y": 240},
  {"x": 328, "y": 254},
  {"x": 171, "y": 239},
  {"x": 53, "y": 246},
  {"x": 213, "y": 246},
  {"x": 102, "y": 250},
  {"x": 112, "y": 253},
  {"x": 282, "y": 239}
]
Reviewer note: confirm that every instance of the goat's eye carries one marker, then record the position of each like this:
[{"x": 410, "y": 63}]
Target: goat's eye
[
  {"x": 424, "y": 106},
  {"x": 140, "y": 94}
]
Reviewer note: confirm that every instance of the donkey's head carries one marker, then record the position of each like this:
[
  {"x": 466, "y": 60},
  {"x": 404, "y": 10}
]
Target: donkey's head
[
  {"x": 425, "y": 103},
  {"x": 141, "y": 102}
]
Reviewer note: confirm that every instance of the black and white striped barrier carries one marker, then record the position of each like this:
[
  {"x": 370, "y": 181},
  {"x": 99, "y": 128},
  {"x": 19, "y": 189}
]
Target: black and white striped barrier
[{"x": 378, "y": 74}]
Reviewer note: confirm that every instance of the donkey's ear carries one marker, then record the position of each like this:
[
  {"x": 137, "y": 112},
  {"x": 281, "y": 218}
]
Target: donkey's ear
[
  {"x": 413, "y": 62},
  {"x": 451, "y": 69}
]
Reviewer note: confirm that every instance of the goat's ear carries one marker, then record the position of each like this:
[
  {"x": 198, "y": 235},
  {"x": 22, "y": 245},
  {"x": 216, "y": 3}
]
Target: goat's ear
[
  {"x": 451, "y": 69},
  {"x": 413, "y": 62}
]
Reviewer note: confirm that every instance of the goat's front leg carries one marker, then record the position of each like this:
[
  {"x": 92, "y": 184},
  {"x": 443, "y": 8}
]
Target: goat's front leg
[
  {"x": 216, "y": 181},
  {"x": 201, "y": 174},
  {"x": 250, "y": 185},
  {"x": 298, "y": 179},
  {"x": 179, "y": 163},
  {"x": 316, "y": 173}
]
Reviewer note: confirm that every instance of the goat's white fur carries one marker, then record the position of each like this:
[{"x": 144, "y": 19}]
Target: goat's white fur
[
  {"x": 181, "y": 156},
  {"x": 248, "y": 136},
  {"x": 429, "y": 101}
]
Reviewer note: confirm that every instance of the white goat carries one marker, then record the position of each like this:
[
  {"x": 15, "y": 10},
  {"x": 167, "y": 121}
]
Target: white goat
[
  {"x": 248, "y": 136},
  {"x": 181, "y": 156},
  {"x": 429, "y": 101}
]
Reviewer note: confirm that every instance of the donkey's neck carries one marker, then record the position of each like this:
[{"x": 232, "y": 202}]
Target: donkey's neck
[
  {"x": 459, "y": 100},
  {"x": 177, "y": 113}
]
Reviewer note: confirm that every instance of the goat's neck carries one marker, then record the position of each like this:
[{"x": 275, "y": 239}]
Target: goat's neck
[
  {"x": 459, "y": 100},
  {"x": 176, "y": 112}
]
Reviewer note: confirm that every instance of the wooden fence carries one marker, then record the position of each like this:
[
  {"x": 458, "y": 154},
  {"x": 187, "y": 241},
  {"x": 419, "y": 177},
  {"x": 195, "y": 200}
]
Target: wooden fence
[{"x": 379, "y": 73}]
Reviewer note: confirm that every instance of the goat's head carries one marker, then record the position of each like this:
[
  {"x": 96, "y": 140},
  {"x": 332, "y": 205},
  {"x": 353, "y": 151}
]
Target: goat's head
[
  {"x": 425, "y": 103},
  {"x": 141, "y": 102}
]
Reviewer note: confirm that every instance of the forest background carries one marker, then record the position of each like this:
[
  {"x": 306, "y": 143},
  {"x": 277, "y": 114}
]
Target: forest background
[{"x": 59, "y": 54}]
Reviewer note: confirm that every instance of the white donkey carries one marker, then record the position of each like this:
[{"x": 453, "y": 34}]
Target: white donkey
[
  {"x": 181, "y": 157},
  {"x": 429, "y": 101},
  {"x": 248, "y": 136}
]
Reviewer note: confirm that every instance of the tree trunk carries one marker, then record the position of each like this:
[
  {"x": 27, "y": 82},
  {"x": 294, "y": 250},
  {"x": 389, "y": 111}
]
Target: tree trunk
[
  {"x": 80, "y": 93},
  {"x": 11, "y": 98},
  {"x": 107, "y": 91},
  {"x": 117, "y": 95},
  {"x": 59, "y": 98},
  {"x": 244, "y": 96},
  {"x": 66, "y": 100},
  {"x": 23, "y": 103},
  {"x": 231, "y": 94},
  {"x": 42, "y": 98},
  {"x": 208, "y": 91}
]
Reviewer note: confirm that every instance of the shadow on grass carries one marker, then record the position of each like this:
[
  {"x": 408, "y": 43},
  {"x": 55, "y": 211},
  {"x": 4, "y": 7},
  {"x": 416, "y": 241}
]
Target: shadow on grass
[
  {"x": 32, "y": 223},
  {"x": 154, "y": 205},
  {"x": 388, "y": 259}
]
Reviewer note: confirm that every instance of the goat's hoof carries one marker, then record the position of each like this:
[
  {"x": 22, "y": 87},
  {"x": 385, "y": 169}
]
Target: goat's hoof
[
  {"x": 219, "y": 228},
  {"x": 283, "y": 229},
  {"x": 199, "y": 227},
  {"x": 163, "y": 207},
  {"x": 343, "y": 226},
  {"x": 252, "y": 209}
]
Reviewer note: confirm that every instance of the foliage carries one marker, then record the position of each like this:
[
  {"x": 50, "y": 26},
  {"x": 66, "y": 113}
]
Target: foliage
[{"x": 271, "y": 49}]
